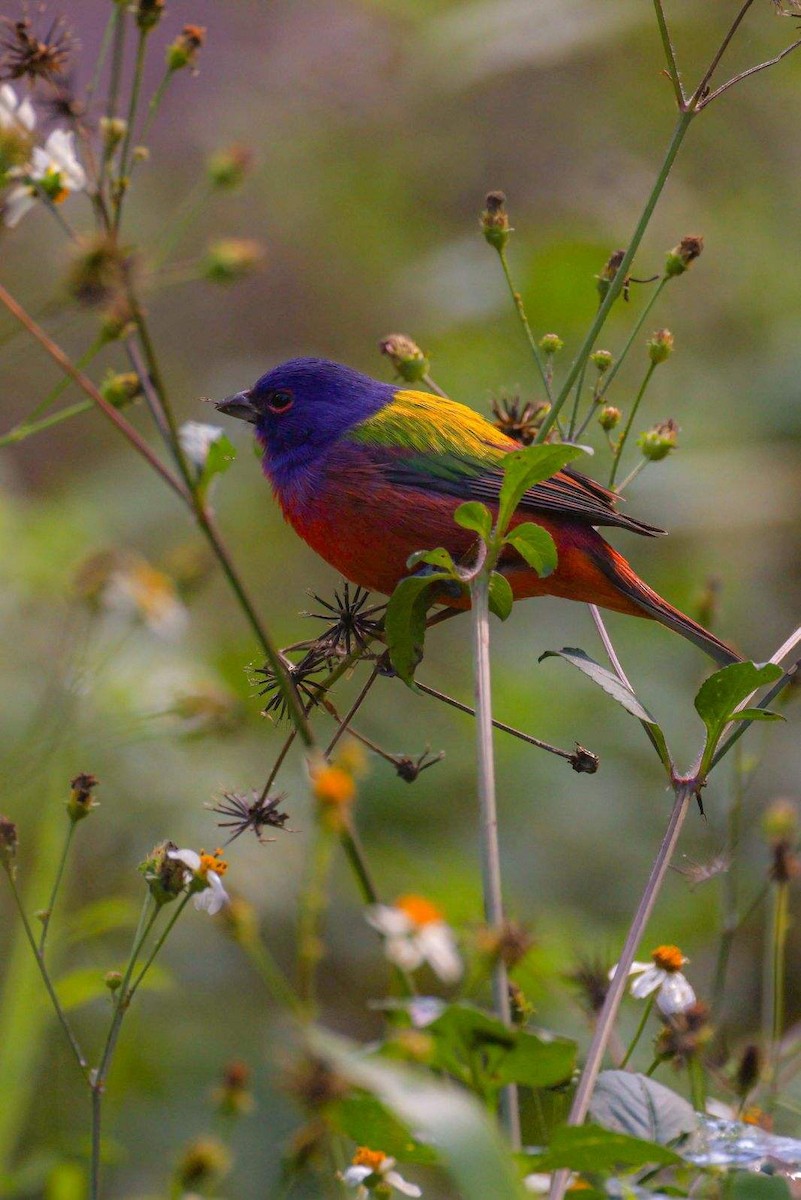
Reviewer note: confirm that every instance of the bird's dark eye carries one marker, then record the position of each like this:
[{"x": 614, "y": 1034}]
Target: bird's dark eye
[{"x": 280, "y": 401}]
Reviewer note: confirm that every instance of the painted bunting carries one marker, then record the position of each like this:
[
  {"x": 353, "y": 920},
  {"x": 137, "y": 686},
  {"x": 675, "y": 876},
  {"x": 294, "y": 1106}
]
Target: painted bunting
[{"x": 367, "y": 473}]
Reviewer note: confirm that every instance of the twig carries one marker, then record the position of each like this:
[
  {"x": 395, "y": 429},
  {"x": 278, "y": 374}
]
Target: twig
[
  {"x": 670, "y": 54},
  {"x": 771, "y": 62}
]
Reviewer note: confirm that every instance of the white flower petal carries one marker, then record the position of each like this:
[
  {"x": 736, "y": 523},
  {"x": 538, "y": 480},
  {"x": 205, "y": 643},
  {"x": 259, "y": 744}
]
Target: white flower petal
[
  {"x": 59, "y": 152},
  {"x": 197, "y": 438},
  {"x": 404, "y": 952},
  {"x": 401, "y": 1185},
  {"x": 392, "y": 922},
  {"x": 356, "y": 1175},
  {"x": 634, "y": 969},
  {"x": 212, "y": 898},
  {"x": 18, "y": 201},
  {"x": 648, "y": 982},
  {"x": 438, "y": 947},
  {"x": 190, "y": 858},
  {"x": 15, "y": 112},
  {"x": 425, "y": 1009},
  {"x": 675, "y": 995},
  {"x": 538, "y": 1183}
]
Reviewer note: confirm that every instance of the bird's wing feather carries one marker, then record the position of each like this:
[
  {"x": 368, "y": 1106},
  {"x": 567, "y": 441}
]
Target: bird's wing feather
[{"x": 435, "y": 445}]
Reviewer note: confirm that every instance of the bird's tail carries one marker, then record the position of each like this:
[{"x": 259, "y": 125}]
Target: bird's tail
[{"x": 621, "y": 575}]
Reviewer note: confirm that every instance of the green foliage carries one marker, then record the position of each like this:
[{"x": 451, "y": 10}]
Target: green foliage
[
  {"x": 593, "y": 1149},
  {"x": 719, "y": 696},
  {"x": 634, "y": 1104},
  {"x": 535, "y": 545},
  {"x": 753, "y": 1185},
  {"x": 476, "y": 516},
  {"x": 522, "y": 469},
  {"x": 221, "y": 454},
  {"x": 405, "y": 621},
  {"x": 501, "y": 598}
]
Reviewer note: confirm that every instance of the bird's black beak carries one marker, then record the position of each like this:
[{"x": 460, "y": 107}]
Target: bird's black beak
[{"x": 239, "y": 405}]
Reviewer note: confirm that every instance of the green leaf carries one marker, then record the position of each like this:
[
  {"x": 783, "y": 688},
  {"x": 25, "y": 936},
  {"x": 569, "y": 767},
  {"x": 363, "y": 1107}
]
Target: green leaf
[
  {"x": 100, "y": 917},
  {"x": 434, "y": 558},
  {"x": 634, "y": 1104},
  {"x": 615, "y": 688},
  {"x": 476, "y": 516},
  {"x": 537, "y": 1061},
  {"x": 465, "y": 1135},
  {"x": 754, "y": 1185},
  {"x": 720, "y": 695},
  {"x": 591, "y": 1148},
  {"x": 522, "y": 469},
  {"x": 500, "y": 595},
  {"x": 368, "y": 1122},
  {"x": 220, "y": 455},
  {"x": 466, "y": 1039},
  {"x": 405, "y": 622},
  {"x": 536, "y": 546},
  {"x": 757, "y": 714}
]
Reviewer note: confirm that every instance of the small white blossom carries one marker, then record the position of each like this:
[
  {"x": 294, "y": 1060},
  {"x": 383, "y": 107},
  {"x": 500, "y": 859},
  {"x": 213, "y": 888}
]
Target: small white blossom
[
  {"x": 378, "y": 1168},
  {"x": 205, "y": 871},
  {"x": 662, "y": 975},
  {"x": 196, "y": 440},
  {"x": 54, "y": 169},
  {"x": 414, "y": 932},
  {"x": 15, "y": 113}
]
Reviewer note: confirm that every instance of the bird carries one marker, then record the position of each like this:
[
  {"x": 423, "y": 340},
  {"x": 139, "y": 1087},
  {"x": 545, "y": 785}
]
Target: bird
[{"x": 367, "y": 473}]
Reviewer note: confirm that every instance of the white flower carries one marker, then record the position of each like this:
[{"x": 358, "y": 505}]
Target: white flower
[
  {"x": 196, "y": 440},
  {"x": 54, "y": 169},
  {"x": 414, "y": 932},
  {"x": 14, "y": 113},
  {"x": 136, "y": 590},
  {"x": 663, "y": 976},
  {"x": 204, "y": 879},
  {"x": 377, "y": 1167}
]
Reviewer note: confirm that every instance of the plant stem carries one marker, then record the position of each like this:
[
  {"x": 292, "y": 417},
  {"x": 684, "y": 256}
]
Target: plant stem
[
  {"x": 123, "y": 178},
  {"x": 625, "y": 435},
  {"x": 517, "y": 300},
  {"x": 56, "y": 884},
  {"x": 615, "y": 287},
  {"x": 684, "y": 790},
  {"x": 670, "y": 55},
  {"x": 648, "y": 1008},
  {"x": 313, "y": 903},
  {"x": 632, "y": 475},
  {"x": 616, "y": 365},
  {"x": 490, "y": 853},
  {"x": 695, "y": 1073},
  {"x": 51, "y": 991},
  {"x": 778, "y": 970}
]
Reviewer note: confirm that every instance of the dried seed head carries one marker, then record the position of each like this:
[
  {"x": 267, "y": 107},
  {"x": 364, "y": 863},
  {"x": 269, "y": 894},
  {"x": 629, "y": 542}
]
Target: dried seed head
[
  {"x": 8, "y": 844},
  {"x": 184, "y": 50},
  {"x": 233, "y": 1097},
  {"x": 749, "y": 1069},
  {"x": 681, "y": 256},
  {"x": 98, "y": 271},
  {"x": 591, "y": 978},
  {"x": 495, "y": 221},
  {"x": 518, "y": 421},
  {"x": 583, "y": 761},
  {"x": 26, "y": 54},
  {"x": 406, "y": 357},
  {"x": 685, "y": 1034},
  {"x": 149, "y": 13},
  {"x": 509, "y": 943},
  {"x": 660, "y": 346},
  {"x": 203, "y": 1163},
  {"x": 608, "y": 272},
  {"x": 81, "y": 801},
  {"x": 609, "y": 417}
]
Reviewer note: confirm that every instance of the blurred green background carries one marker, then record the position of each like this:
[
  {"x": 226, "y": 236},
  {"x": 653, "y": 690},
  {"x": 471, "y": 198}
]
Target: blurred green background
[{"x": 377, "y": 128}]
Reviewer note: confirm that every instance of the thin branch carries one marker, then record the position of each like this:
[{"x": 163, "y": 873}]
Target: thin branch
[
  {"x": 770, "y": 62},
  {"x": 698, "y": 94},
  {"x": 670, "y": 54}
]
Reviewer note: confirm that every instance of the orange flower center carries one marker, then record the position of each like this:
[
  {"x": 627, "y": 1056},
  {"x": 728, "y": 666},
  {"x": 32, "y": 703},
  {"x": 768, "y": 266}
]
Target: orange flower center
[
  {"x": 364, "y": 1157},
  {"x": 212, "y": 862},
  {"x": 334, "y": 786},
  {"x": 419, "y": 910},
  {"x": 669, "y": 958}
]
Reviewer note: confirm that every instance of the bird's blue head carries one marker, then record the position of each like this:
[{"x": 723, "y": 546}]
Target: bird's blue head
[{"x": 302, "y": 406}]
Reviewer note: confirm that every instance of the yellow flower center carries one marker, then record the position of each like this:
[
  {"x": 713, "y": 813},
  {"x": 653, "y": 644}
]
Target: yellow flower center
[
  {"x": 364, "y": 1157},
  {"x": 669, "y": 958},
  {"x": 333, "y": 786},
  {"x": 419, "y": 910},
  {"x": 212, "y": 862}
]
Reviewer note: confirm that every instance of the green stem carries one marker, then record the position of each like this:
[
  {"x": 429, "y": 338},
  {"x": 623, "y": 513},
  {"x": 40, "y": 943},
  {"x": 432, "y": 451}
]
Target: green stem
[
  {"x": 313, "y": 904},
  {"x": 517, "y": 300},
  {"x": 781, "y": 926},
  {"x": 616, "y": 365},
  {"x": 697, "y": 1079},
  {"x": 670, "y": 55},
  {"x": 51, "y": 991},
  {"x": 625, "y": 435},
  {"x": 56, "y": 884},
  {"x": 123, "y": 179},
  {"x": 21, "y": 432},
  {"x": 490, "y": 851},
  {"x": 273, "y": 977},
  {"x": 179, "y": 908},
  {"x": 117, "y": 61},
  {"x": 632, "y": 475},
  {"x": 682, "y": 125},
  {"x": 648, "y": 1008}
]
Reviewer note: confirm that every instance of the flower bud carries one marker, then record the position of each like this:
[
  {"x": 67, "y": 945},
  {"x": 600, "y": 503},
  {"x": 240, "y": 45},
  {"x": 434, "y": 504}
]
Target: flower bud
[
  {"x": 120, "y": 388},
  {"x": 509, "y": 943},
  {"x": 149, "y": 13},
  {"x": 602, "y": 359},
  {"x": 660, "y": 346},
  {"x": 165, "y": 876},
  {"x": 657, "y": 443},
  {"x": 112, "y": 130},
  {"x": 233, "y": 1097},
  {"x": 141, "y": 154},
  {"x": 8, "y": 844},
  {"x": 780, "y": 822},
  {"x": 98, "y": 271},
  {"x": 406, "y": 357},
  {"x": 184, "y": 50},
  {"x": 609, "y": 271},
  {"x": 680, "y": 257},
  {"x": 231, "y": 259},
  {"x": 495, "y": 221},
  {"x": 227, "y": 168},
  {"x": 81, "y": 801},
  {"x": 112, "y": 980},
  {"x": 609, "y": 417},
  {"x": 551, "y": 343},
  {"x": 203, "y": 1163}
]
